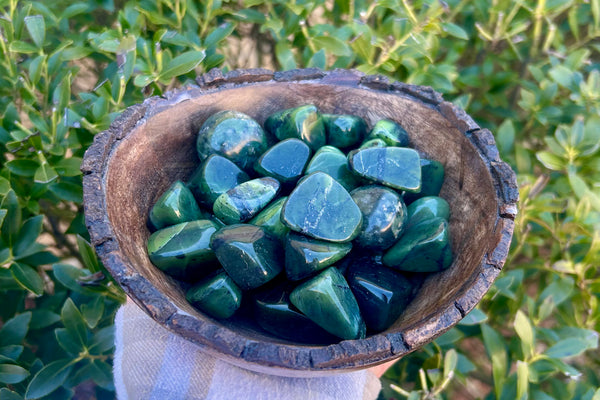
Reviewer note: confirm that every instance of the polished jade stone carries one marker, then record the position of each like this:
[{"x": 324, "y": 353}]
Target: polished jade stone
[
  {"x": 176, "y": 205},
  {"x": 428, "y": 207},
  {"x": 384, "y": 216},
  {"x": 248, "y": 253},
  {"x": 396, "y": 167},
  {"x": 334, "y": 163},
  {"x": 246, "y": 200},
  {"x": 270, "y": 219},
  {"x": 344, "y": 131},
  {"x": 382, "y": 294},
  {"x": 304, "y": 123},
  {"x": 233, "y": 135},
  {"x": 367, "y": 144},
  {"x": 432, "y": 178},
  {"x": 285, "y": 161},
  {"x": 305, "y": 256},
  {"x": 215, "y": 176},
  {"x": 390, "y": 132},
  {"x": 321, "y": 208},
  {"x": 424, "y": 247},
  {"x": 328, "y": 301},
  {"x": 217, "y": 295}
]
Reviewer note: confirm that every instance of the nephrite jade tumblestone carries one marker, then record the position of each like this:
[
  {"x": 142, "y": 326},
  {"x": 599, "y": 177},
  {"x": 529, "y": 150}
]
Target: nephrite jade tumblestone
[
  {"x": 428, "y": 207},
  {"x": 384, "y": 216},
  {"x": 334, "y": 163},
  {"x": 270, "y": 219},
  {"x": 248, "y": 253},
  {"x": 217, "y": 295},
  {"x": 373, "y": 143},
  {"x": 245, "y": 200},
  {"x": 432, "y": 178},
  {"x": 328, "y": 301},
  {"x": 215, "y": 176},
  {"x": 304, "y": 123},
  {"x": 344, "y": 131},
  {"x": 321, "y": 208},
  {"x": 233, "y": 135},
  {"x": 305, "y": 256},
  {"x": 285, "y": 161},
  {"x": 175, "y": 206},
  {"x": 424, "y": 247},
  {"x": 396, "y": 167},
  {"x": 390, "y": 132}
]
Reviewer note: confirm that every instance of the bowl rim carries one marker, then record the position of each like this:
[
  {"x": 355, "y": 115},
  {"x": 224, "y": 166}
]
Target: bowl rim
[{"x": 289, "y": 359}]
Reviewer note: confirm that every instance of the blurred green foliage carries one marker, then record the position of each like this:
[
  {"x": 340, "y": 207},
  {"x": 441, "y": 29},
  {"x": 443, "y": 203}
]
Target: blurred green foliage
[{"x": 528, "y": 70}]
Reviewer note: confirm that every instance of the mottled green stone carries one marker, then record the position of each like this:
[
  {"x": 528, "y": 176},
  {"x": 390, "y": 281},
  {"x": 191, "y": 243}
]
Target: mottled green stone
[
  {"x": 246, "y": 200},
  {"x": 367, "y": 144},
  {"x": 334, "y": 163},
  {"x": 305, "y": 256},
  {"x": 285, "y": 161},
  {"x": 344, "y": 131},
  {"x": 217, "y": 295},
  {"x": 176, "y": 205},
  {"x": 432, "y": 178},
  {"x": 382, "y": 294},
  {"x": 396, "y": 167},
  {"x": 384, "y": 216},
  {"x": 390, "y": 132},
  {"x": 328, "y": 301},
  {"x": 428, "y": 207},
  {"x": 321, "y": 208},
  {"x": 215, "y": 176},
  {"x": 304, "y": 123},
  {"x": 270, "y": 219},
  {"x": 424, "y": 247},
  {"x": 233, "y": 135},
  {"x": 248, "y": 253}
]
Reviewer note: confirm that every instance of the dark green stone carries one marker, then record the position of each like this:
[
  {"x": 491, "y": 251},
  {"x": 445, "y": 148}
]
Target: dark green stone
[
  {"x": 367, "y": 144},
  {"x": 285, "y": 161},
  {"x": 424, "y": 247},
  {"x": 381, "y": 293},
  {"x": 304, "y": 123},
  {"x": 176, "y": 205},
  {"x": 233, "y": 135},
  {"x": 215, "y": 176},
  {"x": 248, "y": 253},
  {"x": 396, "y": 167},
  {"x": 183, "y": 250},
  {"x": 344, "y": 131},
  {"x": 334, "y": 163},
  {"x": 270, "y": 219},
  {"x": 246, "y": 200},
  {"x": 321, "y": 208},
  {"x": 390, "y": 132},
  {"x": 217, "y": 295},
  {"x": 328, "y": 301},
  {"x": 428, "y": 207},
  {"x": 384, "y": 216},
  {"x": 305, "y": 256},
  {"x": 432, "y": 178}
]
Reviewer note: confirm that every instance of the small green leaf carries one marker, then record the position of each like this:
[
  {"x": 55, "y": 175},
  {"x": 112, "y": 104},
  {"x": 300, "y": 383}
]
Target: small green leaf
[
  {"x": 67, "y": 191},
  {"x": 11, "y": 352},
  {"x": 333, "y": 45},
  {"x": 62, "y": 93},
  {"x": 49, "y": 378},
  {"x": 18, "y": 46},
  {"x": 550, "y": 161},
  {"x": 67, "y": 342},
  {"x": 42, "y": 318},
  {"x": 450, "y": 361},
  {"x": 103, "y": 340},
  {"x": 318, "y": 60},
  {"x": 36, "y": 67},
  {"x": 28, "y": 234},
  {"x": 101, "y": 373},
  {"x": 562, "y": 75},
  {"x": 6, "y": 394},
  {"x": 45, "y": 174},
  {"x": 454, "y": 30},
  {"x": 567, "y": 348},
  {"x": 27, "y": 278},
  {"x": 68, "y": 166},
  {"x": 506, "y": 137},
  {"x": 73, "y": 321},
  {"x": 22, "y": 167},
  {"x": 92, "y": 311},
  {"x": 474, "y": 317},
  {"x": 3, "y": 213},
  {"x": 218, "y": 34},
  {"x": 88, "y": 255},
  {"x": 525, "y": 332},
  {"x": 37, "y": 29},
  {"x": 522, "y": 380},
  {"x": 182, "y": 64},
  {"x": 494, "y": 345},
  {"x": 4, "y": 186},
  {"x": 14, "y": 330},
  {"x": 250, "y": 15},
  {"x": 143, "y": 80},
  {"x": 284, "y": 55},
  {"x": 11, "y": 374}
]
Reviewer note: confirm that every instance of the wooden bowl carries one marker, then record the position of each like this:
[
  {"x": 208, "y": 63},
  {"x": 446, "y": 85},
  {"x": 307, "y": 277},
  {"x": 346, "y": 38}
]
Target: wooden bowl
[{"x": 152, "y": 144}]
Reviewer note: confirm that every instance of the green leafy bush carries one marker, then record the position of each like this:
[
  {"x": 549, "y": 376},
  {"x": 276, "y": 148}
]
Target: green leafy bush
[{"x": 527, "y": 70}]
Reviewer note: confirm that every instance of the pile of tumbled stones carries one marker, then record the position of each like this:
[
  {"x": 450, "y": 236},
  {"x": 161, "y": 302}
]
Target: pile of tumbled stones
[{"x": 309, "y": 223}]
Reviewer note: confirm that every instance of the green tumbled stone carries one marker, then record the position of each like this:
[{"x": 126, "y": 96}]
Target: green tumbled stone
[
  {"x": 305, "y": 256},
  {"x": 270, "y": 219},
  {"x": 381, "y": 293},
  {"x": 176, "y": 205},
  {"x": 304, "y": 123},
  {"x": 424, "y": 247},
  {"x": 248, "y": 253},
  {"x": 367, "y": 144},
  {"x": 384, "y": 216},
  {"x": 285, "y": 161},
  {"x": 328, "y": 301},
  {"x": 334, "y": 163},
  {"x": 390, "y": 132},
  {"x": 217, "y": 295},
  {"x": 428, "y": 207},
  {"x": 432, "y": 178},
  {"x": 321, "y": 208},
  {"x": 246, "y": 200},
  {"x": 183, "y": 250},
  {"x": 233, "y": 135},
  {"x": 214, "y": 177},
  {"x": 344, "y": 131},
  {"x": 396, "y": 167}
]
